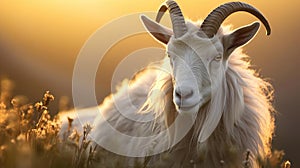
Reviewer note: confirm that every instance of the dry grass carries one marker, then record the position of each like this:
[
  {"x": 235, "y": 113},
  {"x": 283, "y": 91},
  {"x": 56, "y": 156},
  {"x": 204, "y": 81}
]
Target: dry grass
[{"x": 29, "y": 137}]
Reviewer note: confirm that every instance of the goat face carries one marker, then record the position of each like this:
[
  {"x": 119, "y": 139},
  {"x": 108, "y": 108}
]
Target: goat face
[
  {"x": 198, "y": 56},
  {"x": 197, "y": 65}
]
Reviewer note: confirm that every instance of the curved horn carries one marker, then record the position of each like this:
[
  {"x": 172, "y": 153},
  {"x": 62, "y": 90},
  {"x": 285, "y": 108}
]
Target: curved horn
[
  {"x": 213, "y": 21},
  {"x": 178, "y": 22}
]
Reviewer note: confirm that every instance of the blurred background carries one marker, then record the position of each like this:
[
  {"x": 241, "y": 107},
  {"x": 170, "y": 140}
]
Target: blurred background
[{"x": 40, "y": 41}]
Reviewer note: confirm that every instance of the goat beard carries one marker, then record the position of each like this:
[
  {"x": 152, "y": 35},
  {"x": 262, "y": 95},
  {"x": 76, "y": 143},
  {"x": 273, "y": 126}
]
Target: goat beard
[{"x": 213, "y": 115}]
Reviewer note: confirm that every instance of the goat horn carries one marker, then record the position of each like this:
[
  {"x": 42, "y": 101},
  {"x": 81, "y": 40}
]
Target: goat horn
[
  {"x": 213, "y": 21},
  {"x": 178, "y": 22}
]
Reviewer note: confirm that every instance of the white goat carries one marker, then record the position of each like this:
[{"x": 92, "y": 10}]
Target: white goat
[{"x": 211, "y": 105}]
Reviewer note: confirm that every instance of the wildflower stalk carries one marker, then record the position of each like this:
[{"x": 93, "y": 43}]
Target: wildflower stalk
[
  {"x": 83, "y": 146},
  {"x": 246, "y": 162},
  {"x": 29, "y": 137}
]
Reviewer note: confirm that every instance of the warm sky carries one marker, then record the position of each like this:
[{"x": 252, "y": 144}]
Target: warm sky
[{"x": 40, "y": 40}]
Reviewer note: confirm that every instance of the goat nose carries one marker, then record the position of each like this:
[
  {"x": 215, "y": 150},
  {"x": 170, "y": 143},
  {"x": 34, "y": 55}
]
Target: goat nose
[{"x": 183, "y": 92}]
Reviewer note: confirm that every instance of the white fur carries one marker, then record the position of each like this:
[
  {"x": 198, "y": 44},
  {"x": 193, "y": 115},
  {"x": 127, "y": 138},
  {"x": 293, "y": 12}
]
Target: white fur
[{"x": 235, "y": 114}]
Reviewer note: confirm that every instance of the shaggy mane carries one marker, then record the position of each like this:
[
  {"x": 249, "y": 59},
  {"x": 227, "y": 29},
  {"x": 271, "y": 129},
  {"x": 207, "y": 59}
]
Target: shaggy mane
[{"x": 245, "y": 99}]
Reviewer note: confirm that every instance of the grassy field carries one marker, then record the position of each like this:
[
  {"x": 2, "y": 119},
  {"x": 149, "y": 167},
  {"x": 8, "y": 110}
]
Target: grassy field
[{"x": 29, "y": 138}]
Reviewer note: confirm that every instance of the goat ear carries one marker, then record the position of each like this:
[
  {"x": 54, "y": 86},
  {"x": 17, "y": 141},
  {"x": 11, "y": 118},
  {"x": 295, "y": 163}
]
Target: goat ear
[
  {"x": 158, "y": 31},
  {"x": 239, "y": 38}
]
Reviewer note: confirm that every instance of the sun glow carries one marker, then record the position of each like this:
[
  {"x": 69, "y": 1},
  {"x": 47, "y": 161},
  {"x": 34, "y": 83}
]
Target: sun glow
[{"x": 40, "y": 41}]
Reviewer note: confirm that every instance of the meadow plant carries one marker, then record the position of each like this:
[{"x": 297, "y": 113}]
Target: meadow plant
[{"x": 29, "y": 138}]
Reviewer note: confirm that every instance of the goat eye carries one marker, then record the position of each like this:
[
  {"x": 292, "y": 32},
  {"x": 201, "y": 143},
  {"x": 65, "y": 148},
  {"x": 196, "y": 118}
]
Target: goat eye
[{"x": 218, "y": 58}]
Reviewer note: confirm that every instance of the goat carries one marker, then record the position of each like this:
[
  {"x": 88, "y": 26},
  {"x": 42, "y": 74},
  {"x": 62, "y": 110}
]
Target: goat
[{"x": 210, "y": 104}]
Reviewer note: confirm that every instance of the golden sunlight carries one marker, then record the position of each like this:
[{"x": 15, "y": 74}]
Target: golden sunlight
[{"x": 40, "y": 41}]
